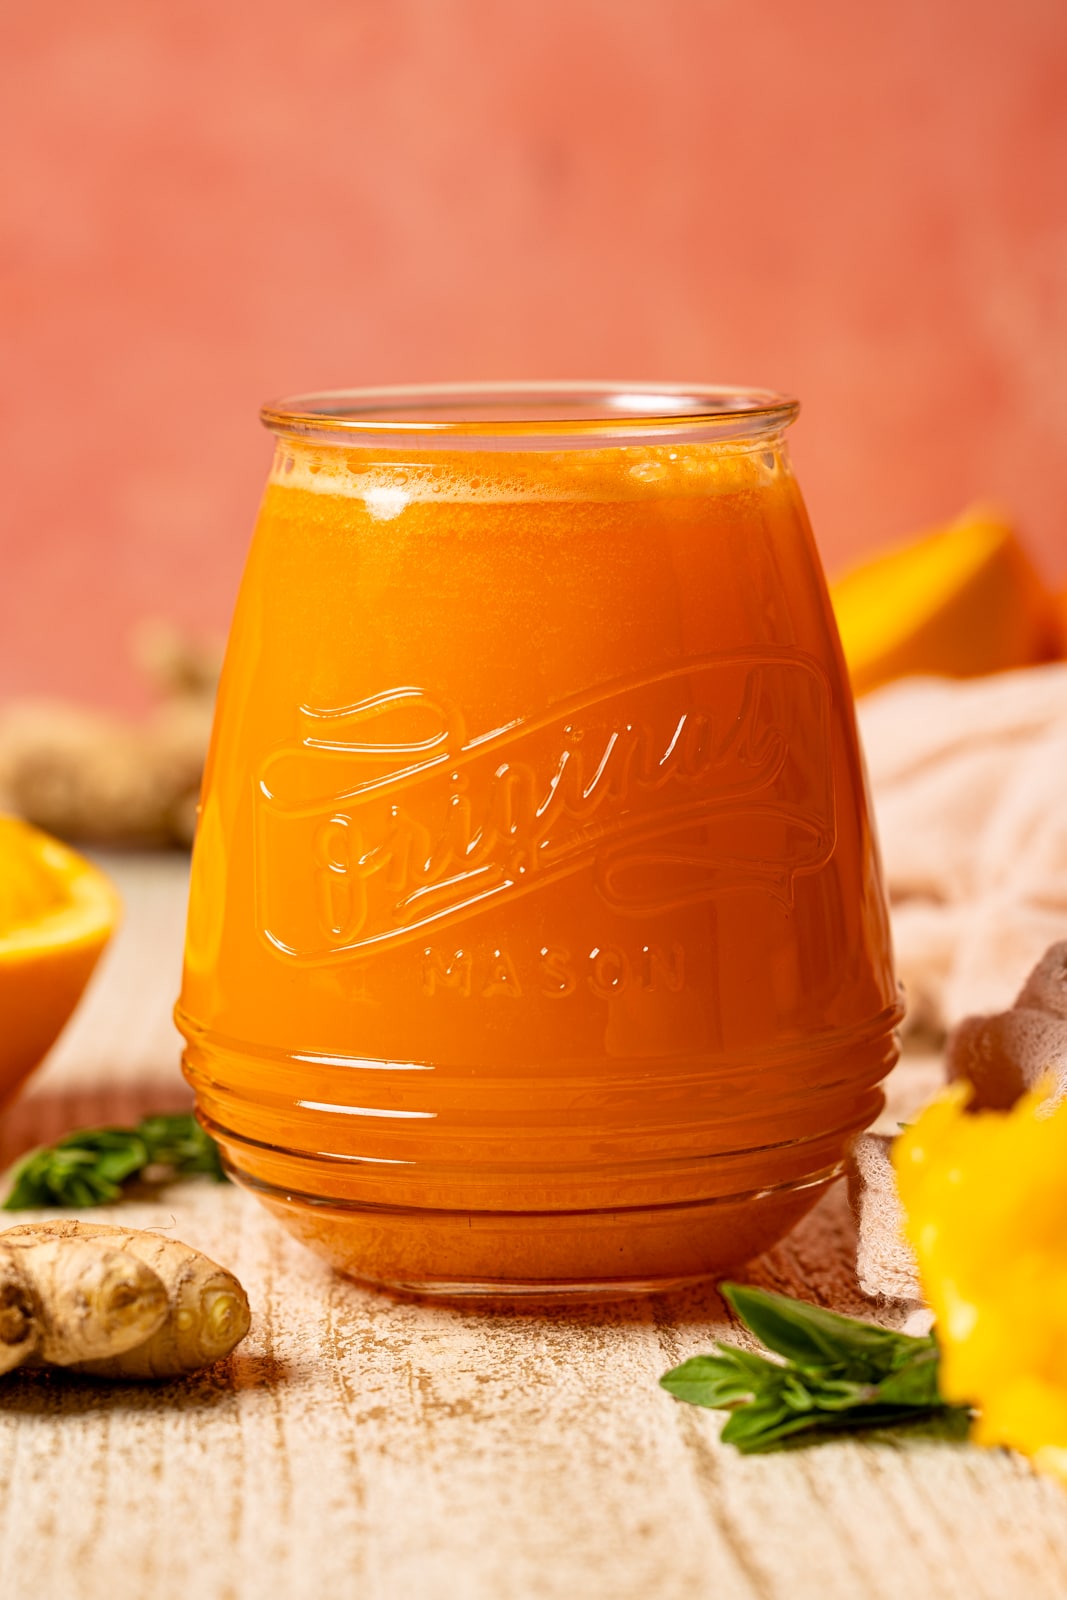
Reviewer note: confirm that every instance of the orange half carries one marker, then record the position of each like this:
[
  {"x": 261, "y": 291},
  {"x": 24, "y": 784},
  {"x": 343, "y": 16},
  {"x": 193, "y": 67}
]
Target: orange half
[{"x": 57, "y": 912}]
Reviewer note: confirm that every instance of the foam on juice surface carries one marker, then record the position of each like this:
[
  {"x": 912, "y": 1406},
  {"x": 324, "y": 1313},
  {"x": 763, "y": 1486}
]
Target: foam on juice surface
[{"x": 499, "y": 477}]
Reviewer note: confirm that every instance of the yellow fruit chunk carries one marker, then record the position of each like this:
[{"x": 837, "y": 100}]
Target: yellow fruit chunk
[
  {"x": 959, "y": 602},
  {"x": 57, "y": 912},
  {"x": 984, "y": 1197}
]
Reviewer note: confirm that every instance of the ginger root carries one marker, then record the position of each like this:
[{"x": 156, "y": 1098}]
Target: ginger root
[
  {"x": 19, "y": 1312},
  {"x": 114, "y": 1302},
  {"x": 70, "y": 1302},
  {"x": 84, "y": 775}
]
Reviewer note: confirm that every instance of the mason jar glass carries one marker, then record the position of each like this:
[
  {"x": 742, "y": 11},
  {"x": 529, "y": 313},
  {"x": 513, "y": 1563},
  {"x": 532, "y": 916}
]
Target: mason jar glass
[{"x": 537, "y": 940}]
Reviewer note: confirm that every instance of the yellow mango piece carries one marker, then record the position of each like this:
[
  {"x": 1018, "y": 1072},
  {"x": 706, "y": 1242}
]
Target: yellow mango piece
[
  {"x": 57, "y": 912},
  {"x": 984, "y": 1198},
  {"x": 961, "y": 601}
]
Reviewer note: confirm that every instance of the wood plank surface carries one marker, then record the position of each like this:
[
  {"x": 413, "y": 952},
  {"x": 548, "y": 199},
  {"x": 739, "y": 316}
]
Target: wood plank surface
[{"x": 362, "y": 1446}]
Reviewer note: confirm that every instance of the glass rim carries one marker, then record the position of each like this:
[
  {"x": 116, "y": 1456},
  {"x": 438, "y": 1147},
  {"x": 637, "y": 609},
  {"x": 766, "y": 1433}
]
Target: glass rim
[{"x": 534, "y": 415}]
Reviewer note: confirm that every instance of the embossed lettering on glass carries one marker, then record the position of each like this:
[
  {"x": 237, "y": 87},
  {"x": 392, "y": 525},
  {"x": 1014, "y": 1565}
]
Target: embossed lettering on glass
[{"x": 537, "y": 941}]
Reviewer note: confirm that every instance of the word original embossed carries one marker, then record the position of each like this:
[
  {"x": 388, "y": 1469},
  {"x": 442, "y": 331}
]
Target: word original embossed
[{"x": 665, "y": 790}]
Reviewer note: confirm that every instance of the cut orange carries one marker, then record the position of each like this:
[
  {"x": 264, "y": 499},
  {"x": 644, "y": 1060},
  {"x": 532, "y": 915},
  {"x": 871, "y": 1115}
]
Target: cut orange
[
  {"x": 959, "y": 602},
  {"x": 57, "y": 912}
]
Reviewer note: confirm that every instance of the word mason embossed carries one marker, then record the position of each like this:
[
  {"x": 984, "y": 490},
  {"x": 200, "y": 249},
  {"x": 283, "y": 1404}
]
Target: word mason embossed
[{"x": 668, "y": 789}]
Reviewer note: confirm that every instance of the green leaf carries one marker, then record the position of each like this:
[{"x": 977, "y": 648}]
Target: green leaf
[
  {"x": 759, "y": 1420},
  {"x": 714, "y": 1381},
  {"x": 180, "y": 1142},
  {"x": 27, "y": 1193},
  {"x": 815, "y": 1338},
  {"x": 797, "y": 1430},
  {"x": 839, "y": 1394},
  {"x": 91, "y": 1167},
  {"x": 750, "y": 1361},
  {"x": 838, "y": 1374},
  {"x": 914, "y": 1383}
]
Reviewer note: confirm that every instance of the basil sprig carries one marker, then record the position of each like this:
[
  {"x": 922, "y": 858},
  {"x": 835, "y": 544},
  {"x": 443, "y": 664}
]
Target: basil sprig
[
  {"x": 91, "y": 1167},
  {"x": 835, "y": 1373}
]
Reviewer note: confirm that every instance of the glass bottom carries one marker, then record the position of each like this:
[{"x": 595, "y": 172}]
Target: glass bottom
[
  {"x": 531, "y": 1297},
  {"x": 532, "y": 1256}
]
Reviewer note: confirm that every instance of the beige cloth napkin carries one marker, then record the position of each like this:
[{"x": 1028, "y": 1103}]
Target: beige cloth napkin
[{"x": 969, "y": 781}]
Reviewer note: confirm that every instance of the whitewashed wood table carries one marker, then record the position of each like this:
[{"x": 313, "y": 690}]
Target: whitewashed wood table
[{"x": 359, "y": 1446}]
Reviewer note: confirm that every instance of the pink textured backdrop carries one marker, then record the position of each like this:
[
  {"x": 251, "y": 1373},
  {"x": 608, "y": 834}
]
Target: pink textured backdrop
[{"x": 210, "y": 203}]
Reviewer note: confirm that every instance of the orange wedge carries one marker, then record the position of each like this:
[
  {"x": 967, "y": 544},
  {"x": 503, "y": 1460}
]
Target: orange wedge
[
  {"x": 57, "y": 912},
  {"x": 959, "y": 602}
]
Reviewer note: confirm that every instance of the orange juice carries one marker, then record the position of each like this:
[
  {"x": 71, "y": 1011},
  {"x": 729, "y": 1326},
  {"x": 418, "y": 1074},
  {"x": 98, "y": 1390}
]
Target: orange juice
[{"x": 536, "y": 940}]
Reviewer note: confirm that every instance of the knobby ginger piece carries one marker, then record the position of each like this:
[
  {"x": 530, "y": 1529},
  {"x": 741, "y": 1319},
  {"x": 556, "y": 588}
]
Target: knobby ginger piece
[
  {"x": 20, "y": 1312},
  {"x": 175, "y": 663},
  {"x": 89, "y": 1301},
  {"x": 81, "y": 774},
  {"x": 206, "y": 1312}
]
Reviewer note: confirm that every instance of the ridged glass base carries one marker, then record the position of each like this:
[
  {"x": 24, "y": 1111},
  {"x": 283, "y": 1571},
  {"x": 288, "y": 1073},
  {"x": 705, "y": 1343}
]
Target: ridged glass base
[{"x": 586, "y": 1255}]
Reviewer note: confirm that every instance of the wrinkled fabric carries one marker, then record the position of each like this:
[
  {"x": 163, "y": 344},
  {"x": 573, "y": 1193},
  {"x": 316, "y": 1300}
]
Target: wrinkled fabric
[{"x": 969, "y": 783}]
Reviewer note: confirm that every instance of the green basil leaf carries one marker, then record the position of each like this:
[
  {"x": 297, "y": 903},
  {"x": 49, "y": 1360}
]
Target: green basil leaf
[
  {"x": 708, "y": 1381},
  {"x": 90, "y": 1167},
  {"x": 760, "y": 1425},
  {"x": 915, "y": 1383},
  {"x": 800, "y": 1429},
  {"x": 29, "y": 1190},
  {"x": 180, "y": 1142},
  {"x": 838, "y": 1375},
  {"x": 757, "y": 1366},
  {"x": 815, "y": 1338}
]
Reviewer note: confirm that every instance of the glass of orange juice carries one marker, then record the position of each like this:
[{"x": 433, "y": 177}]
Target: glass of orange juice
[{"x": 537, "y": 941}]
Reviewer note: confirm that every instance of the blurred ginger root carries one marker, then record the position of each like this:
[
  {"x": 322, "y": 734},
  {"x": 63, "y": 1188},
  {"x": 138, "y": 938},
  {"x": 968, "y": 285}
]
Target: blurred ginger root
[
  {"x": 89, "y": 776},
  {"x": 116, "y": 1302}
]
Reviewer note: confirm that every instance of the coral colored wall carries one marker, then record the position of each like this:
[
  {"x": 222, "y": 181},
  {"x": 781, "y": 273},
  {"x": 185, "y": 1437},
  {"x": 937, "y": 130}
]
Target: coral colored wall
[{"x": 209, "y": 203}]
